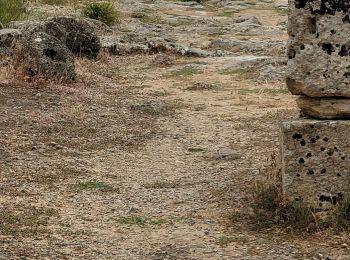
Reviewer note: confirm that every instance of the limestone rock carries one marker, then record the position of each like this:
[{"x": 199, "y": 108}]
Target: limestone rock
[
  {"x": 316, "y": 161},
  {"x": 43, "y": 55},
  {"x": 325, "y": 108},
  {"x": 80, "y": 36},
  {"x": 318, "y": 48}
]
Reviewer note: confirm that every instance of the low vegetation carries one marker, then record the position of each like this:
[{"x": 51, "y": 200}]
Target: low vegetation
[
  {"x": 11, "y": 10},
  {"x": 103, "y": 11},
  {"x": 271, "y": 210}
]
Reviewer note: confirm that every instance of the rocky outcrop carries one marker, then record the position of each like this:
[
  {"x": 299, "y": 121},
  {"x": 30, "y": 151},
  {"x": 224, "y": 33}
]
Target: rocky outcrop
[
  {"x": 80, "y": 36},
  {"x": 43, "y": 55}
]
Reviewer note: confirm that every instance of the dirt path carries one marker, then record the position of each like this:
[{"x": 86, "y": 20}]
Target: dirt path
[{"x": 139, "y": 160}]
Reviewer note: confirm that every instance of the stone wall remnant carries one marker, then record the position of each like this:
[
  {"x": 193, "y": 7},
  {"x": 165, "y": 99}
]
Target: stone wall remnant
[{"x": 316, "y": 152}]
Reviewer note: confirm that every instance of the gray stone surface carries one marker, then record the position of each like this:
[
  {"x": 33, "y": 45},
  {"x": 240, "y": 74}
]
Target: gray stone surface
[
  {"x": 319, "y": 48},
  {"x": 325, "y": 108},
  {"x": 43, "y": 55},
  {"x": 316, "y": 161}
]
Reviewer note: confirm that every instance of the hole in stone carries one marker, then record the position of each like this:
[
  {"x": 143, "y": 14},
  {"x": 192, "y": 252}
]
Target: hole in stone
[
  {"x": 328, "y": 48},
  {"x": 308, "y": 155},
  {"x": 324, "y": 198},
  {"x": 301, "y": 160},
  {"x": 325, "y": 139},
  {"x": 323, "y": 171},
  {"x": 322, "y": 148},
  {"x": 335, "y": 148},
  {"x": 333, "y": 32},
  {"x": 322, "y": 89},
  {"x": 297, "y": 136},
  {"x": 344, "y": 51},
  {"x": 312, "y": 26},
  {"x": 334, "y": 200},
  {"x": 317, "y": 35},
  {"x": 312, "y": 126},
  {"x": 330, "y": 152},
  {"x": 298, "y": 175},
  {"x": 343, "y": 158},
  {"x": 313, "y": 140},
  {"x": 291, "y": 53},
  {"x": 302, "y": 47},
  {"x": 346, "y": 19},
  {"x": 50, "y": 53},
  {"x": 310, "y": 172},
  {"x": 347, "y": 75},
  {"x": 338, "y": 174},
  {"x": 302, "y": 143}
]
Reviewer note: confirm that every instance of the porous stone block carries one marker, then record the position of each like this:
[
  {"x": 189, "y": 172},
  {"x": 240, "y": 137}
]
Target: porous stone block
[
  {"x": 315, "y": 161},
  {"x": 319, "y": 48}
]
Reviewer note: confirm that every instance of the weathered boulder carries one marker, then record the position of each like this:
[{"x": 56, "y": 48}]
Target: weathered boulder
[
  {"x": 325, "y": 108},
  {"x": 319, "y": 48},
  {"x": 80, "y": 36},
  {"x": 43, "y": 55},
  {"x": 48, "y": 27}
]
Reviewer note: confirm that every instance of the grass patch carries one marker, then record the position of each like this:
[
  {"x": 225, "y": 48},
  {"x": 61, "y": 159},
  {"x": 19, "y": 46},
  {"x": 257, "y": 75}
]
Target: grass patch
[
  {"x": 268, "y": 91},
  {"x": 95, "y": 185},
  {"x": 282, "y": 11},
  {"x": 26, "y": 221},
  {"x": 195, "y": 149},
  {"x": 11, "y": 10},
  {"x": 102, "y": 11},
  {"x": 184, "y": 72},
  {"x": 143, "y": 221}
]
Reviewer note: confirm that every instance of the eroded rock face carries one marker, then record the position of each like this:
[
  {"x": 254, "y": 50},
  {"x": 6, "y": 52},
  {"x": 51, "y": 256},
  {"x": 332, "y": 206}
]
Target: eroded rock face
[
  {"x": 319, "y": 48},
  {"x": 43, "y": 55},
  {"x": 80, "y": 36},
  {"x": 315, "y": 161}
]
